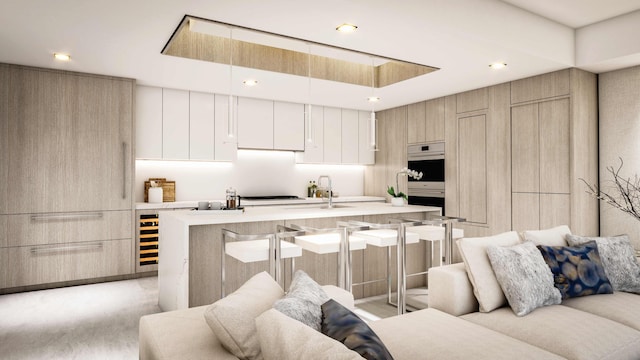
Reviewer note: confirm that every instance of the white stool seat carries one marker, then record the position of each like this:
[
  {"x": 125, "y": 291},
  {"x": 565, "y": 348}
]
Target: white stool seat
[
  {"x": 434, "y": 233},
  {"x": 258, "y": 250},
  {"x": 386, "y": 237},
  {"x": 328, "y": 243}
]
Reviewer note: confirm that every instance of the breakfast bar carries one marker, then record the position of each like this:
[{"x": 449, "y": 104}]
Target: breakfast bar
[{"x": 189, "y": 268}]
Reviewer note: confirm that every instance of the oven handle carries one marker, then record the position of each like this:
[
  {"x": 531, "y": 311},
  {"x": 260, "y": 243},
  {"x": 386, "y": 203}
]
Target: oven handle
[{"x": 432, "y": 156}]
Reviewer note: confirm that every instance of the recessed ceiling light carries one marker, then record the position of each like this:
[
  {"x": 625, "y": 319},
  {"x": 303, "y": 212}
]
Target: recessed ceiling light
[
  {"x": 498, "y": 65},
  {"x": 62, "y": 57},
  {"x": 373, "y": 99},
  {"x": 346, "y": 28},
  {"x": 250, "y": 82}
]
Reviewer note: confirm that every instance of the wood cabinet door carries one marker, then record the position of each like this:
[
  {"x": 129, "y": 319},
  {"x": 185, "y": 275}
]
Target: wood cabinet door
[
  {"x": 525, "y": 211},
  {"x": 175, "y": 124},
  {"x": 255, "y": 123},
  {"x": 288, "y": 126},
  {"x": 332, "y": 135},
  {"x": 225, "y": 146},
  {"x": 416, "y": 117},
  {"x": 148, "y": 122},
  {"x": 5, "y": 75},
  {"x": 69, "y": 141},
  {"x": 554, "y": 146},
  {"x": 201, "y": 126},
  {"x": 525, "y": 149},
  {"x": 472, "y": 168},
  {"x": 350, "y": 138},
  {"x": 434, "y": 120}
]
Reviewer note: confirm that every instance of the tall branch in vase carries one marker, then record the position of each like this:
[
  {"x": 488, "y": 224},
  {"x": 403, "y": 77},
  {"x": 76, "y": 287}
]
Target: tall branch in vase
[{"x": 623, "y": 195}]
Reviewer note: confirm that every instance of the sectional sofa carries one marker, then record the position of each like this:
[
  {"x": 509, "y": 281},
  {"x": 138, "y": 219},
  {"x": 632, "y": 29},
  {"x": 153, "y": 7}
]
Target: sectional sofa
[{"x": 470, "y": 317}]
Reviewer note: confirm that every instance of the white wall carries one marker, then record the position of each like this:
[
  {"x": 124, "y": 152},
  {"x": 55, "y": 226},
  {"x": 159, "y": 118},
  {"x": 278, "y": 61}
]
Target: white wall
[
  {"x": 253, "y": 173},
  {"x": 619, "y": 101}
]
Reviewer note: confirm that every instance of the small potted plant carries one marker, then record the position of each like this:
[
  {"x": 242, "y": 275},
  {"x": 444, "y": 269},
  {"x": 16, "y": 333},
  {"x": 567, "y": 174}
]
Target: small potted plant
[{"x": 399, "y": 197}]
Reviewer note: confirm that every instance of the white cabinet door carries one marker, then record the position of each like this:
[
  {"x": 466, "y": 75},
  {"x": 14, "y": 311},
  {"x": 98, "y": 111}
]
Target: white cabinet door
[
  {"x": 148, "y": 122},
  {"x": 349, "y": 136},
  {"x": 288, "y": 126},
  {"x": 201, "y": 126},
  {"x": 332, "y": 135},
  {"x": 255, "y": 123},
  {"x": 175, "y": 124},
  {"x": 225, "y": 146},
  {"x": 366, "y": 155}
]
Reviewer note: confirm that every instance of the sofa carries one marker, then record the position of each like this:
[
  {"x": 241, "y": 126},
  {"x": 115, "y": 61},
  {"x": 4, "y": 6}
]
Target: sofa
[{"x": 460, "y": 323}]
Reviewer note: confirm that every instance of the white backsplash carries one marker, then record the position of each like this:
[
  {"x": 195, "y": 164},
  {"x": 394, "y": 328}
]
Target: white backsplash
[{"x": 253, "y": 173}]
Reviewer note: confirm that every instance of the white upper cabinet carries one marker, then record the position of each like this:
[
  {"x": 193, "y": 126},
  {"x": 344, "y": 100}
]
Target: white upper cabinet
[
  {"x": 332, "y": 135},
  {"x": 255, "y": 123},
  {"x": 201, "y": 126},
  {"x": 366, "y": 142},
  {"x": 175, "y": 124},
  {"x": 288, "y": 126},
  {"x": 350, "y": 138},
  {"x": 148, "y": 122},
  {"x": 225, "y": 145}
]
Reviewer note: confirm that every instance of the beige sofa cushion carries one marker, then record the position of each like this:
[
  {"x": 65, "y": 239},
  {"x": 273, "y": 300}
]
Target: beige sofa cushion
[
  {"x": 432, "y": 334},
  {"x": 232, "y": 319},
  {"x": 283, "y": 338},
  {"x": 550, "y": 237},
  {"x": 564, "y": 331},
  {"x": 485, "y": 285},
  {"x": 620, "y": 306}
]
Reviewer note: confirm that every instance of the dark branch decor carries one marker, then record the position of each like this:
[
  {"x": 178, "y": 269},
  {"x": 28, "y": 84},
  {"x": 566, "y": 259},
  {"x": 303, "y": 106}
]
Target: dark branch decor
[{"x": 624, "y": 193}]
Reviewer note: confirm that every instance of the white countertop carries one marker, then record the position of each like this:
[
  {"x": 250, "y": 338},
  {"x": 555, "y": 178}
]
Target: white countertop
[
  {"x": 303, "y": 201},
  {"x": 291, "y": 212}
]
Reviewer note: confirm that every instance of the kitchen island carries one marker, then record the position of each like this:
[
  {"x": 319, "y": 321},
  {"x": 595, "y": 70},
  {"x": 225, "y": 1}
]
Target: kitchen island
[{"x": 189, "y": 267}]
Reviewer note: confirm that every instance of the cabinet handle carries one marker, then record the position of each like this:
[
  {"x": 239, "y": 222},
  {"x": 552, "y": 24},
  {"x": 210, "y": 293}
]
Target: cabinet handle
[
  {"x": 124, "y": 170},
  {"x": 62, "y": 248},
  {"x": 77, "y": 216}
]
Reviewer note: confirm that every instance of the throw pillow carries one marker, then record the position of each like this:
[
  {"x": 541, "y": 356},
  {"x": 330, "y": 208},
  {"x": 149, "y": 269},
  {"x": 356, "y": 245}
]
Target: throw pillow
[
  {"x": 549, "y": 237},
  {"x": 283, "y": 338},
  {"x": 524, "y": 277},
  {"x": 577, "y": 270},
  {"x": 485, "y": 285},
  {"x": 232, "y": 318},
  {"x": 341, "y": 324},
  {"x": 619, "y": 260},
  {"x": 303, "y": 300}
]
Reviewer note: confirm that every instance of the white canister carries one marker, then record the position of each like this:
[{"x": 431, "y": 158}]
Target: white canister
[{"x": 155, "y": 195}]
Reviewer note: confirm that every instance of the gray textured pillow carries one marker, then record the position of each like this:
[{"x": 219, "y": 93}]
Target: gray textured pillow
[
  {"x": 303, "y": 301},
  {"x": 525, "y": 278},
  {"x": 618, "y": 258}
]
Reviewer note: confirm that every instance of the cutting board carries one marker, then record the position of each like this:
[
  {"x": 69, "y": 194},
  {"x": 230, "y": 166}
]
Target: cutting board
[{"x": 168, "y": 189}]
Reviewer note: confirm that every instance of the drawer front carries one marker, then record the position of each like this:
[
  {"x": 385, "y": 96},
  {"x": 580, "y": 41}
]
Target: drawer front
[
  {"x": 60, "y": 228},
  {"x": 42, "y": 264}
]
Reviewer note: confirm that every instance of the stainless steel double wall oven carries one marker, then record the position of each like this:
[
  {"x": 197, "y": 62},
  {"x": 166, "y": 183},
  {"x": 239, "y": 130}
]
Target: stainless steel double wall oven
[{"x": 428, "y": 159}]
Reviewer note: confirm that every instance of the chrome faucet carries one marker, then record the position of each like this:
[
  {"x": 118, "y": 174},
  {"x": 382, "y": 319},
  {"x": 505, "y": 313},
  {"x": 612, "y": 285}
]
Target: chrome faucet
[{"x": 323, "y": 188}]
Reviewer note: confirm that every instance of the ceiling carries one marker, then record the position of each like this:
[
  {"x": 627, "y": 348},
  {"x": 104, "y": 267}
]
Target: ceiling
[{"x": 461, "y": 37}]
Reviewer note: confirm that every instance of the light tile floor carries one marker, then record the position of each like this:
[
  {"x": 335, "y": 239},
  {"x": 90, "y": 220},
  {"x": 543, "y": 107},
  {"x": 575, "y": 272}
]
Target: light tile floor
[{"x": 98, "y": 321}]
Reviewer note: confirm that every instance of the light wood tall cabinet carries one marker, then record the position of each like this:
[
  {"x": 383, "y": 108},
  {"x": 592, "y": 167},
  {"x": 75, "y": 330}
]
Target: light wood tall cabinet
[
  {"x": 425, "y": 121},
  {"x": 69, "y": 204}
]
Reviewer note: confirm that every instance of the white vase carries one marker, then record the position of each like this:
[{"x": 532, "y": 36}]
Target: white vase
[{"x": 397, "y": 201}]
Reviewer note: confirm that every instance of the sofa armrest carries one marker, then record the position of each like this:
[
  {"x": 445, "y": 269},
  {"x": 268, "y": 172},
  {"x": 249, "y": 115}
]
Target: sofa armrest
[
  {"x": 340, "y": 295},
  {"x": 450, "y": 290}
]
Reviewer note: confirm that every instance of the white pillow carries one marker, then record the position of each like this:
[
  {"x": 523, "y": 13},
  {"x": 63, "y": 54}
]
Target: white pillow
[
  {"x": 525, "y": 277},
  {"x": 232, "y": 319},
  {"x": 549, "y": 237},
  {"x": 283, "y": 338},
  {"x": 485, "y": 285}
]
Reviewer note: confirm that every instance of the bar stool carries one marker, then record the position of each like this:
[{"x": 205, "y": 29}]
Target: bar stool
[
  {"x": 331, "y": 241},
  {"x": 249, "y": 248},
  {"x": 387, "y": 235},
  {"x": 435, "y": 234}
]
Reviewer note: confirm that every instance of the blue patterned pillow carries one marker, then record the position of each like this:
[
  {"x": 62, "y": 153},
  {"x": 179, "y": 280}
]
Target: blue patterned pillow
[
  {"x": 577, "y": 270},
  {"x": 341, "y": 324}
]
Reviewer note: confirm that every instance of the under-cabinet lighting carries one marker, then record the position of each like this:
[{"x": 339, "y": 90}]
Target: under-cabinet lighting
[
  {"x": 62, "y": 57},
  {"x": 498, "y": 65},
  {"x": 346, "y": 28},
  {"x": 250, "y": 82}
]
